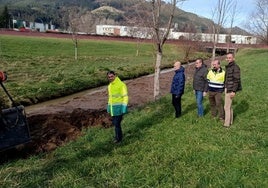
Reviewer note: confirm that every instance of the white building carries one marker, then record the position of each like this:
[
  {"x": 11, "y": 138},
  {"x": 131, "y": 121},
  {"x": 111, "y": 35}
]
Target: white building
[
  {"x": 143, "y": 32},
  {"x": 123, "y": 31},
  {"x": 112, "y": 30},
  {"x": 41, "y": 26},
  {"x": 33, "y": 25}
]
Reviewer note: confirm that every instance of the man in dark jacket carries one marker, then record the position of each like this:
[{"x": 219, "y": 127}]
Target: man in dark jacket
[
  {"x": 232, "y": 84},
  {"x": 177, "y": 87},
  {"x": 200, "y": 84}
]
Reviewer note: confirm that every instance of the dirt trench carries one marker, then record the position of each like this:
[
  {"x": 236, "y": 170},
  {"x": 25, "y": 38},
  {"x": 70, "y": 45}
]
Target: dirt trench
[
  {"x": 49, "y": 131},
  {"x": 53, "y": 130},
  {"x": 54, "y": 124}
]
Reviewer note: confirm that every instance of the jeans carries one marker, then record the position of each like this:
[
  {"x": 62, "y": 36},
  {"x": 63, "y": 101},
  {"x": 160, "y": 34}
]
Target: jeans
[
  {"x": 199, "y": 101},
  {"x": 116, "y": 120},
  {"x": 176, "y": 101}
]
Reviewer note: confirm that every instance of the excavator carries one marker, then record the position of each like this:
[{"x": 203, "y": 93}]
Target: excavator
[{"x": 14, "y": 129}]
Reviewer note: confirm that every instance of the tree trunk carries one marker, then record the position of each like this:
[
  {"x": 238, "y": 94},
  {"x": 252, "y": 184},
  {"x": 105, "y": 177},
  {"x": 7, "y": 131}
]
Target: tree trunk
[
  {"x": 75, "y": 53},
  {"x": 214, "y": 51},
  {"x": 157, "y": 76},
  {"x": 214, "y": 43},
  {"x": 267, "y": 35}
]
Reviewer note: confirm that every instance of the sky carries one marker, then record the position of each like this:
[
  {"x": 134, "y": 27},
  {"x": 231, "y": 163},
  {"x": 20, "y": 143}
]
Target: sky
[{"x": 204, "y": 8}]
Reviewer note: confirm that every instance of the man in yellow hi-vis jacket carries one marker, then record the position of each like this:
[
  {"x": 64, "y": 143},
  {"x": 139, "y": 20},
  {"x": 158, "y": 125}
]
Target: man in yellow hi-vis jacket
[
  {"x": 216, "y": 88},
  {"x": 117, "y": 103}
]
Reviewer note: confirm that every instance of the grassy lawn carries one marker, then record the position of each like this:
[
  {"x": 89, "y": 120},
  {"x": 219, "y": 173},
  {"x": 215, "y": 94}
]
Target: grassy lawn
[
  {"x": 43, "y": 68},
  {"x": 160, "y": 151}
]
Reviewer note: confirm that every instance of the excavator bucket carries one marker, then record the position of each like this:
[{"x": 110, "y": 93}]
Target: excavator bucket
[{"x": 14, "y": 128}]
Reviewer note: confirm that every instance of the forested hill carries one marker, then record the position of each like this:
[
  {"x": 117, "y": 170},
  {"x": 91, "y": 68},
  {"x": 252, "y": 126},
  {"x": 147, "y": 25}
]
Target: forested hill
[{"x": 86, "y": 14}]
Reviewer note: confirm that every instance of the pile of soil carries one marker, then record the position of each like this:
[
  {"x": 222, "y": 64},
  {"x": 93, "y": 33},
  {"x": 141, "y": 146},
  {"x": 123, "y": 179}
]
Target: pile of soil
[{"x": 48, "y": 131}]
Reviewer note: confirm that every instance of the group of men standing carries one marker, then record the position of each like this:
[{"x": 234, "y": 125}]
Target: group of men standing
[{"x": 215, "y": 82}]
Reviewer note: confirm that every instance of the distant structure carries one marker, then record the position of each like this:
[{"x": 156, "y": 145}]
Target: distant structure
[
  {"x": 124, "y": 31},
  {"x": 22, "y": 25},
  {"x": 146, "y": 33}
]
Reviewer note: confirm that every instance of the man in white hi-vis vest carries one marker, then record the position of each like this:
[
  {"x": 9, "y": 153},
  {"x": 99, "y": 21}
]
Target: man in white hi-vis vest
[
  {"x": 215, "y": 89},
  {"x": 117, "y": 103}
]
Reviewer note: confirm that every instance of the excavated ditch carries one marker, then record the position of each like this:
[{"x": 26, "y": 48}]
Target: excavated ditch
[
  {"x": 49, "y": 131},
  {"x": 55, "y": 124}
]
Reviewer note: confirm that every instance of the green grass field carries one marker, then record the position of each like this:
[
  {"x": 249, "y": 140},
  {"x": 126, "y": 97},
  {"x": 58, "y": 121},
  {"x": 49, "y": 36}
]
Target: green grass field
[
  {"x": 161, "y": 151},
  {"x": 43, "y": 68}
]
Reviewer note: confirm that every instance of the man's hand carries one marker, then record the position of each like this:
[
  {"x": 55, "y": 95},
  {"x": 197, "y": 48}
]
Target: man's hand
[
  {"x": 232, "y": 95},
  {"x": 3, "y": 76}
]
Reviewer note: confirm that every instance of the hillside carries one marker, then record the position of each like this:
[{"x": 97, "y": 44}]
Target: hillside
[{"x": 85, "y": 15}]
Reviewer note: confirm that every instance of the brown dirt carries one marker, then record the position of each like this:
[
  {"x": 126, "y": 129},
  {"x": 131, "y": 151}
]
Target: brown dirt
[
  {"x": 59, "y": 121},
  {"x": 54, "y": 123}
]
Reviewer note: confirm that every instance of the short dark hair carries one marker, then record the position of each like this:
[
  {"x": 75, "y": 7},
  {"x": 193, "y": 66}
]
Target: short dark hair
[
  {"x": 200, "y": 59},
  {"x": 111, "y": 72},
  {"x": 230, "y": 53}
]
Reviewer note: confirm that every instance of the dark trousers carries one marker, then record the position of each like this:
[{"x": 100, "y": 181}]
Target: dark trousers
[
  {"x": 216, "y": 104},
  {"x": 176, "y": 101},
  {"x": 116, "y": 120}
]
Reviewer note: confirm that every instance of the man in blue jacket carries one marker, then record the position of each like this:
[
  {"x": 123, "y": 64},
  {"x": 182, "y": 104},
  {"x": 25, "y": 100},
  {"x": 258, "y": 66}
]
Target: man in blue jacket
[{"x": 177, "y": 87}]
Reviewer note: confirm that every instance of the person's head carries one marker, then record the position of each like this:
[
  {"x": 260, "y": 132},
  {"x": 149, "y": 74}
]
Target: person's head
[
  {"x": 230, "y": 57},
  {"x": 111, "y": 76},
  {"x": 198, "y": 62},
  {"x": 216, "y": 64},
  {"x": 177, "y": 65}
]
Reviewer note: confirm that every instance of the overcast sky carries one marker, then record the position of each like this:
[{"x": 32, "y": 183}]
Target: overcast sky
[{"x": 204, "y": 8}]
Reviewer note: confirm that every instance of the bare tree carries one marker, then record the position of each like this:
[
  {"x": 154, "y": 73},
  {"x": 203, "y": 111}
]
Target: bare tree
[
  {"x": 160, "y": 35},
  {"x": 258, "y": 21},
  {"x": 188, "y": 42},
  {"x": 219, "y": 17},
  {"x": 74, "y": 16},
  {"x": 155, "y": 26},
  {"x": 75, "y": 40},
  {"x": 232, "y": 15},
  {"x": 139, "y": 18}
]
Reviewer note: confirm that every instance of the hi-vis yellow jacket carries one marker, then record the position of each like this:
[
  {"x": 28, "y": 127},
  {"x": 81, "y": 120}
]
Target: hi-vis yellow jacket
[
  {"x": 118, "y": 98},
  {"x": 216, "y": 80}
]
